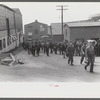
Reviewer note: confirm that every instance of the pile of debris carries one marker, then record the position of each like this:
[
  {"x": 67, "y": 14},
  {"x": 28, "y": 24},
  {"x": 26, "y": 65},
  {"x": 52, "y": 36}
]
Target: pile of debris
[{"x": 9, "y": 60}]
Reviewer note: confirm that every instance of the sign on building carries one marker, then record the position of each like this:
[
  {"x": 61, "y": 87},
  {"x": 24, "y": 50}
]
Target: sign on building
[{"x": 30, "y": 34}]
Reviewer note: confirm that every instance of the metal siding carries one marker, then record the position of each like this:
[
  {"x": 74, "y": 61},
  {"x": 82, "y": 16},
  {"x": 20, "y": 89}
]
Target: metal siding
[{"x": 84, "y": 32}]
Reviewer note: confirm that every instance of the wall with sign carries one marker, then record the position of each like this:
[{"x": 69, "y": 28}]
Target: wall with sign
[{"x": 34, "y": 31}]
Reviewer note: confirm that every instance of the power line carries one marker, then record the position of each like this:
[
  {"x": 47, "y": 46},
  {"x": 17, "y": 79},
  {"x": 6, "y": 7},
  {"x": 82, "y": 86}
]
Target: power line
[{"x": 62, "y": 9}]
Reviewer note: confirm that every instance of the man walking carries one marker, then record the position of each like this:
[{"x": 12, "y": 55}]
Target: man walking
[
  {"x": 47, "y": 48},
  {"x": 29, "y": 48},
  {"x": 83, "y": 52},
  {"x": 37, "y": 48},
  {"x": 90, "y": 54},
  {"x": 55, "y": 48},
  {"x": 70, "y": 50},
  {"x": 33, "y": 48},
  {"x": 65, "y": 50}
]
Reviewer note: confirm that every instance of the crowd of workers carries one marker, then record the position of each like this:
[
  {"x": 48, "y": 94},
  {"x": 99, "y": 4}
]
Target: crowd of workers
[{"x": 68, "y": 49}]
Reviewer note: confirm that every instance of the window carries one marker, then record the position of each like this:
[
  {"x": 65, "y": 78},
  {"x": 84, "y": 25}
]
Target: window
[
  {"x": 35, "y": 31},
  {"x": 0, "y": 44},
  {"x": 7, "y": 24},
  {"x": 29, "y": 28},
  {"x": 41, "y": 28},
  {"x": 4, "y": 43}
]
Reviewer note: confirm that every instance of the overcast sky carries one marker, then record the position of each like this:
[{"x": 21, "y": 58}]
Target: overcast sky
[{"x": 46, "y": 12}]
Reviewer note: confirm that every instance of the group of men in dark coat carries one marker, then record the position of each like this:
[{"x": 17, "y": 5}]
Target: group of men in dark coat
[
  {"x": 58, "y": 47},
  {"x": 67, "y": 49},
  {"x": 88, "y": 52},
  {"x": 32, "y": 47}
]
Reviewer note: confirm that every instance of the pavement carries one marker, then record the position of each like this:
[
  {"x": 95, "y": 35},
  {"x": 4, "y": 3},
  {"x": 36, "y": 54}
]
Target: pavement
[{"x": 48, "y": 69}]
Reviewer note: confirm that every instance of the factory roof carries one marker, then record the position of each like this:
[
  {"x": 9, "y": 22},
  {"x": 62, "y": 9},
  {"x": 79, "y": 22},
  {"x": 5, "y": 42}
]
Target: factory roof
[{"x": 56, "y": 27}]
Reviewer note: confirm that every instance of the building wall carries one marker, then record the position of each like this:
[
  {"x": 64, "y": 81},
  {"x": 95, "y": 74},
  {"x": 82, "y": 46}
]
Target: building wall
[
  {"x": 5, "y": 43},
  {"x": 18, "y": 22},
  {"x": 84, "y": 33},
  {"x": 7, "y": 47},
  {"x": 19, "y": 27},
  {"x": 33, "y": 28},
  {"x": 6, "y": 13},
  {"x": 57, "y": 38},
  {"x": 66, "y": 32}
]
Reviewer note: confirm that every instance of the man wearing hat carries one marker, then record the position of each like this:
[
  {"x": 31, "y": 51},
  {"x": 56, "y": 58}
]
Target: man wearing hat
[
  {"x": 83, "y": 52},
  {"x": 90, "y": 54},
  {"x": 70, "y": 50},
  {"x": 47, "y": 48}
]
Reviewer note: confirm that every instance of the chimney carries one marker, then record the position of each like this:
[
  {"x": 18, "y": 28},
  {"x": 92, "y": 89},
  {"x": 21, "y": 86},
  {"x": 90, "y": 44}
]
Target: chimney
[{"x": 36, "y": 21}]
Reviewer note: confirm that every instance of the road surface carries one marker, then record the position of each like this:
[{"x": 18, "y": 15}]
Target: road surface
[{"x": 48, "y": 69}]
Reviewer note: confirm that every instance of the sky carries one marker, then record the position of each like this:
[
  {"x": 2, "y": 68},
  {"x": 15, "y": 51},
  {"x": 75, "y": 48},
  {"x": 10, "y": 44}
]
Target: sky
[{"x": 46, "y": 12}]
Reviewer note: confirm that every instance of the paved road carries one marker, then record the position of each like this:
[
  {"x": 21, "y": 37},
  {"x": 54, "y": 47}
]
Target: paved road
[{"x": 48, "y": 69}]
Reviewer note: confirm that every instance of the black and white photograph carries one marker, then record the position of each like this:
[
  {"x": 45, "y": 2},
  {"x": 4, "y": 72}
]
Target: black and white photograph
[
  {"x": 49, "y": 42},
  {"x": 50, "y": 50}
]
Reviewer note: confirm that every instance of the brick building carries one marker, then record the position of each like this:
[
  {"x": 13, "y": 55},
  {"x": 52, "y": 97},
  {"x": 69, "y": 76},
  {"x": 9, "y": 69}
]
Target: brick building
[
  {"x": 35, "y": 30},
  {"x": 10, "y": 28}
]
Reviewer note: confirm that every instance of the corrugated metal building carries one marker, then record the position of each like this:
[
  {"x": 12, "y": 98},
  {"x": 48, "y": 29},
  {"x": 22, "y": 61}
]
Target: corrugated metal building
[
  {"x": 18, "y": 25},
  {"x": 35, "y": 30},
  {"x": 9, "y": 36},
  {"x": 81, "y": 31},
  {"x": 78, "y": 30}
]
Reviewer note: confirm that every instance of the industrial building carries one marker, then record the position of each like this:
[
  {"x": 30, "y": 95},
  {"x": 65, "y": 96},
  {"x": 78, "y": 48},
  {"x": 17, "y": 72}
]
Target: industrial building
[
  {"x": 11, "y": 34},
  {"x": 74, "y": 31},
  {"x": 35, "y": 30},
  {"x": 55, "y": 31},
  {"x": 77, "y": 30}
]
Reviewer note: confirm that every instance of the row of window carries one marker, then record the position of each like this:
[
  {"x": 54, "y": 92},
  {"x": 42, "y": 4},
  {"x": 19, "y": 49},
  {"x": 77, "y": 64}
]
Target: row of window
[
  {"x": 35, "y": 32},
  {"x": 42, "y": 28},
  {"x": 10, "y": 40}
]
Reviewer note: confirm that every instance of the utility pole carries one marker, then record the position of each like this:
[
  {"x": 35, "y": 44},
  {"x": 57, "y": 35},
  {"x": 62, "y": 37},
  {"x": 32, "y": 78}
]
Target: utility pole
[
  {"x": 51, "y": 33},
  {"x": 62, "y": 9}
]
